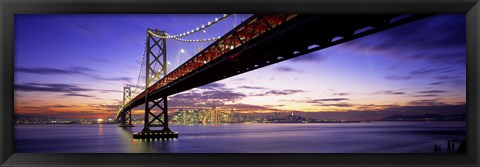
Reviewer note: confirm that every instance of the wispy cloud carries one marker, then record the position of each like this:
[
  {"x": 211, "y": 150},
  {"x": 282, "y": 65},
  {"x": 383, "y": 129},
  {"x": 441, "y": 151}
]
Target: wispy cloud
[
  {"x": 341, "y": 94},
  {"x": 432, "y": 91},
  {"x": 109, "y": 91},
  {"x": 315, "y": 57},
  {"x": 427, "y": 95},
  {"x": 287, "y": 69},
  {"x": 399, "y": 77},
  {"x": 126, "y": 79},
  {"x": 427, "y": 102},
  {"x": 436, "y": 83},
  {"x": 205, "y": 99},
  {"x": 37, "y": 87},
  {"x": 278, "y": 92},
  {"x": 77, "y": 94},
  {"x": 68, "y": 90},
  {"x": 391, "y": 92},
  {"x": 212, "y": 86},
  {"x": 52, "y": 71},
  {"x": 64, "y": 106},
  {"x": 241, "y": 107},
  {"x": 433, "y": 70},
  {"x": 252, "y": 87},
  {"x": 87, "y": 72},
  {"x": 326, "y": 100},
  {"x": 104, "y": 107},
  {"x": 335, "y": 105}
]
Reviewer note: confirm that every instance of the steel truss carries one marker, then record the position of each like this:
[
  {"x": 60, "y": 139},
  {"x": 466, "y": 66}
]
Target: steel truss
[
  {"x": 153, "y": 59},
  {"x": 126, "y": 117}
]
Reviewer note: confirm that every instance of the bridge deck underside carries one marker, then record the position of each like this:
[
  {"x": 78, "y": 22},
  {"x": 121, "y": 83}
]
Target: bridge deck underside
[{"x": 301, "y": 35}]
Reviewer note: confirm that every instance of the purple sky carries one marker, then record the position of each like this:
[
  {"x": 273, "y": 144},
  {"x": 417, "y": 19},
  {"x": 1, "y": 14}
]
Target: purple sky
[{"x": 76, "y": 66}]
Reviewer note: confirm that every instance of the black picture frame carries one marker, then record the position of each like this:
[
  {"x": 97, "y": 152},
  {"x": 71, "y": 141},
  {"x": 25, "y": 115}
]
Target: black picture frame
[{"x": 8, "y": 8}]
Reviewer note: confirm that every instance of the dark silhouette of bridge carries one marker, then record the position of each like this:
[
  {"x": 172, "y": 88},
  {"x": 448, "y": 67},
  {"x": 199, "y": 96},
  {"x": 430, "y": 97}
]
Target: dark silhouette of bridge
[{"x": 259, "y": 41}]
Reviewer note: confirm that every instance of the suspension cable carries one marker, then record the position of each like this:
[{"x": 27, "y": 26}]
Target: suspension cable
[
  {"x": 186, "y": 40},
  {"x": 167, "y": 36},
  {"x": 140, "y": 72}
]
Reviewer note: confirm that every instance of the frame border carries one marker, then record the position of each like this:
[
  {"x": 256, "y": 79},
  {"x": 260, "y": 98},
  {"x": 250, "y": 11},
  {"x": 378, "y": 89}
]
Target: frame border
[{"x": 9, "y": 8}]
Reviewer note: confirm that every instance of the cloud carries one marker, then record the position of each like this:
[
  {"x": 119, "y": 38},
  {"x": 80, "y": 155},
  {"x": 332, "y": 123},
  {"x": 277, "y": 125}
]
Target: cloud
[
  {"x": 399, "y": 77},
  {"x": 426, "y": 102},
  {"x": 251, "y": 108},
  {"x": 436, "y": 83},
  {"x": 67, "y": 89},
  {"x": 439, "y": 72},
  {"x": 87, "y": 72},
  {"x": 204, "y": 99},
  {"x": 52, "y": 71},
  {"x": 286, "y": 69},
  {"x": 212, "y": 86},
  {"x": 213, "y": 94},
  {"x": 326, "y": 100},
  {"x": 315, "y": 57},
  {"x": 238, "y": 79},
  {"x": 78, "y": 95},
  {"x": 427, "y": 95},
  {"x": 391, "y": 92},
  {"x": 37, "y": 87},
  {"x": 223, "y": 95},
  {"x": 108, "y": 91},
  {"x": 446, "y": 77},
  {"x": 31, "y": 107},
  {"x": 107, "y": 107},
  {"x": 335, "y": 105},
  {"x": 195, "y": 103},
  {"x": 63, "y": 106},
  {"x": 341, "y": 94},
  {"x": 251, "y": 87},
  {"x": 278, "y": 92},
  {"x": 432, "y": 91},
  {"x": 211, "y": 91},
  {"x": 88, "y": 114},
  {"x": 126, "y": 79},
  {"x": 433, "y": 70}
]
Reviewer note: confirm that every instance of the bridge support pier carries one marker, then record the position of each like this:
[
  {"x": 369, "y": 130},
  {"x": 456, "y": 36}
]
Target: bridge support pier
[
  {"x": 159, "y": 119},
  {"x": 126, "y": 117},
  {"x": 156, "y": 56}
]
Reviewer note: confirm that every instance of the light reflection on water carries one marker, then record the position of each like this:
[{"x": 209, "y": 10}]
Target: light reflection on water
[{"x": 374, "y": 137}]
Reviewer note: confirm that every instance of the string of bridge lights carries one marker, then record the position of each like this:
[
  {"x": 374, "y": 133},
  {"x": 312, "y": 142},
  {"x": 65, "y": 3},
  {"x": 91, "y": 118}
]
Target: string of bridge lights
[
  {"x": 210, "y": 23},
  {"x": 202, "y": 28},
  {"x": 198, "y": 40}
]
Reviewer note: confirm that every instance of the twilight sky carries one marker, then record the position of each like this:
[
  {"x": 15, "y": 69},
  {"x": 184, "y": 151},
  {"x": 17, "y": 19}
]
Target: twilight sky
[{"x": 75, "y": 66}]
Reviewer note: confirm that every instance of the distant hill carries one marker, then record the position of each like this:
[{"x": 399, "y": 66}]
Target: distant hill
[{"x": 426, "y": 117}]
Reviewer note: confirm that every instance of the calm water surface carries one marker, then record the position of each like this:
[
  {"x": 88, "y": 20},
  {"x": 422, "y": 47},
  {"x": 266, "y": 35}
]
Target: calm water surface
[{"x": 373, "y": 137}]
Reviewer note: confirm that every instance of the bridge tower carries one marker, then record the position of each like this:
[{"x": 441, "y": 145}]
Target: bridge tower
[
  {"x": 126, "y": 117},
  {"x": 156, "y": 108}
]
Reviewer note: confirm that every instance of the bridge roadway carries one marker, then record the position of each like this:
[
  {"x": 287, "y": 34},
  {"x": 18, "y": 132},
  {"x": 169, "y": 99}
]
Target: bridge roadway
[{"x": 290, "y": 36}]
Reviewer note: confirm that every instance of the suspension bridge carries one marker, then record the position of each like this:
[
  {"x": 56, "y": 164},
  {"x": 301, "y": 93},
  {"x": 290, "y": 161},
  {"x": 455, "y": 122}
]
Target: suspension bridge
[{"x": 260, "y": 40}]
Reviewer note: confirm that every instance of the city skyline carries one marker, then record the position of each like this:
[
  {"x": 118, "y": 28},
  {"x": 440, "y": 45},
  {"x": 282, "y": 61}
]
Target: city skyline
[{"x": 416, "y": 68}]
